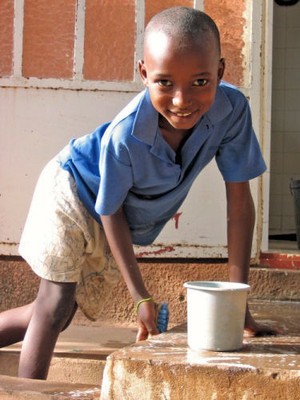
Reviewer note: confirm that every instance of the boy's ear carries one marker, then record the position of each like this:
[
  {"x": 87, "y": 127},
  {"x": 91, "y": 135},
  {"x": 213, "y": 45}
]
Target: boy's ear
[
  {"x": 142, "y": 71},
  {"x": 221, "y": 69}
]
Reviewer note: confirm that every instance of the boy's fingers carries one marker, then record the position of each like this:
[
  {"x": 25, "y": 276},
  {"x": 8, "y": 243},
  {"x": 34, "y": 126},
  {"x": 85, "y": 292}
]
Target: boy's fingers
[
  {"x": 142, "y": 334},
  {"x": 153, "y": 332}
]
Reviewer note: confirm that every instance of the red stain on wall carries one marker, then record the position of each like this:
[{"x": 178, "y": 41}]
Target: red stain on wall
[
  {"x": 176, "y": 218},
  {"x": 159, "y": 252}
]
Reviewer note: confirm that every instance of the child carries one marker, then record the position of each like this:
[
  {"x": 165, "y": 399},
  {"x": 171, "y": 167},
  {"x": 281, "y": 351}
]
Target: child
[{"x": 120, "y": 185}]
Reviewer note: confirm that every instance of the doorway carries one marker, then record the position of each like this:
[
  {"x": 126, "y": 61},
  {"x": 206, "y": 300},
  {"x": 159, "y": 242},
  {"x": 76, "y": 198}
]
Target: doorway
[{"x": 285, "y": 126}]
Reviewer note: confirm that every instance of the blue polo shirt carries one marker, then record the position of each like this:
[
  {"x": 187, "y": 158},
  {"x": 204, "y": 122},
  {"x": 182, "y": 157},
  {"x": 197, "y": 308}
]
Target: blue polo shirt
[{"x": 127, "y": 162}]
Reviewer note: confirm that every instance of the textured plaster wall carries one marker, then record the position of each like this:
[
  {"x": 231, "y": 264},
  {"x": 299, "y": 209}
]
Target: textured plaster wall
[
  {"x": 153, "y": 7},
  {"x": 229, "y": 16},
  {"x": 18, "y": 286},
  {"x": 109, "y": 40},
  {"x": 48, "y": 39},
  {"x": 6, "y": 37}
]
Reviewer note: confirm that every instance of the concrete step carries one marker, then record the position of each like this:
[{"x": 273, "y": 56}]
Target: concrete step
[
  {"x": 76, "y": 369},
  {"x": 80, "y": 353},
  {"x": 163, "y": 367},
  {"x": 28, "y": 389}
]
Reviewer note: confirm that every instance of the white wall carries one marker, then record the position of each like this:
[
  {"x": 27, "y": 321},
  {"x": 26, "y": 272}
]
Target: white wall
[
  {"x": 34, "y": 125},
  {"x": 36, "y": 122}
]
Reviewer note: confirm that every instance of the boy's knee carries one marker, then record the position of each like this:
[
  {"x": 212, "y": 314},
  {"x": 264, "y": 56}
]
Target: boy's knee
[
  {"x": 55, "y": 303},
  {"x": 61, "y": 315}
]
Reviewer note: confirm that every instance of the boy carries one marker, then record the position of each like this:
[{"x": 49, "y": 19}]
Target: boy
[{"x": 119, "y": 186}]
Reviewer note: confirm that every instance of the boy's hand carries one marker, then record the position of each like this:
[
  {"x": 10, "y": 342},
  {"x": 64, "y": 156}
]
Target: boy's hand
[
  {"x": 252, "y": 328},
  {"x": 146, "y": 321}
]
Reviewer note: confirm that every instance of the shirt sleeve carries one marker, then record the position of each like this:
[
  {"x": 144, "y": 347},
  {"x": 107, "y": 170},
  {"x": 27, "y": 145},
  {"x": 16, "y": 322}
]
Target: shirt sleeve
[
  {"x": 115, "y": 177},
  {"x": 239, "y": 156}
]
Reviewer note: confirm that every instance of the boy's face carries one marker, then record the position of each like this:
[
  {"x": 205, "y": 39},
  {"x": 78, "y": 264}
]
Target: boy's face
[{"x": 182, "y": 79}]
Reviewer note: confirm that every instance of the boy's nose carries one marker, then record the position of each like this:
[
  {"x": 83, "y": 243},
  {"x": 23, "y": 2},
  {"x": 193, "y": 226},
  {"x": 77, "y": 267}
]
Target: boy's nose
[{"x": 181, "y": 99}]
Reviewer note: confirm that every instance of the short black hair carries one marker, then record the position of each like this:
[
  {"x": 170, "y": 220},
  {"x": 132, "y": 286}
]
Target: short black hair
[{"x": 183, "y": 23}]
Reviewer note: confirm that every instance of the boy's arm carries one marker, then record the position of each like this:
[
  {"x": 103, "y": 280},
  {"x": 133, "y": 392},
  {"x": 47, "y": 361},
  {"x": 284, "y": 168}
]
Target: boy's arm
[
  {"x": 119, "y": 238},
  {"x": 240, "y": 225}
]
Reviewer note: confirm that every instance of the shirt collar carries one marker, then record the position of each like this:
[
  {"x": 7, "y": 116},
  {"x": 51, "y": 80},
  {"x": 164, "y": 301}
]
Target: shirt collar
[
  {"x": 221, "y": 107},
  {"x": 146, "y": 120}
]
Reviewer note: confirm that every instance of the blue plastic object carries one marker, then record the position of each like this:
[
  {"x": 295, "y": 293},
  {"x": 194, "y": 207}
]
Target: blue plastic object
[{"x": 162, "y": 317}]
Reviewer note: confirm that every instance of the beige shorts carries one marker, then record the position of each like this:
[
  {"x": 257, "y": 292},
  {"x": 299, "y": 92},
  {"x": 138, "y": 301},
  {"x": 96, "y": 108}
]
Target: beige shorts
[{"x": 62, "y": 242}]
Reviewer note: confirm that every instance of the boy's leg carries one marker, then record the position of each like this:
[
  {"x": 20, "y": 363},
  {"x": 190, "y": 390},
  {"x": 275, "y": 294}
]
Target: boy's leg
[
  {"x": 53, "y": 309},
  {"x": 14, "y": 323}
]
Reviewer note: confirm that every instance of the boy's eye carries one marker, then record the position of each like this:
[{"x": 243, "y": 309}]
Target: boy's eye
[
  {"x": 200, "y": 82},
  {"x": 164, "y": 83}
]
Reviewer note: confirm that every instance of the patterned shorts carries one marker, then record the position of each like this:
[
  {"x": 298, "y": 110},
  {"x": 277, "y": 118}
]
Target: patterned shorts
[{"x": 62, "y": 242}]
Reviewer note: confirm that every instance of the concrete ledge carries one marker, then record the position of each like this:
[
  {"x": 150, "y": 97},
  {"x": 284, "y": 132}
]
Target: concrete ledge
[
  {"x": 29, "y": 389},
  {"x": 163, "y": 367},
  {"x": 63, "y": 369},
  {"x": 79, "y": 356}
]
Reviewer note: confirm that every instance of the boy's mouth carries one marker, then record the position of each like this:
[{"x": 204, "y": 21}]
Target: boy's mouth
[{"x": 181, "y": 113}]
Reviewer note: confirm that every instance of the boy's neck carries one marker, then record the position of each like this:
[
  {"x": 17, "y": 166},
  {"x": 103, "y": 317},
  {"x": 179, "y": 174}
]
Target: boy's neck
[{"x": 174, "y": 137}]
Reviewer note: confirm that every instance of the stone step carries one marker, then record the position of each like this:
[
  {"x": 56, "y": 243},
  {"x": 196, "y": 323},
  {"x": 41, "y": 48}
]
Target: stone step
[
  {"x": 76, "y": 369},
  {"x": 29, "y": 389},
  {"x": 163, "y": 367},
  {"x": 80, "y": 353},
  {"x": 64, "y": 368}
]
